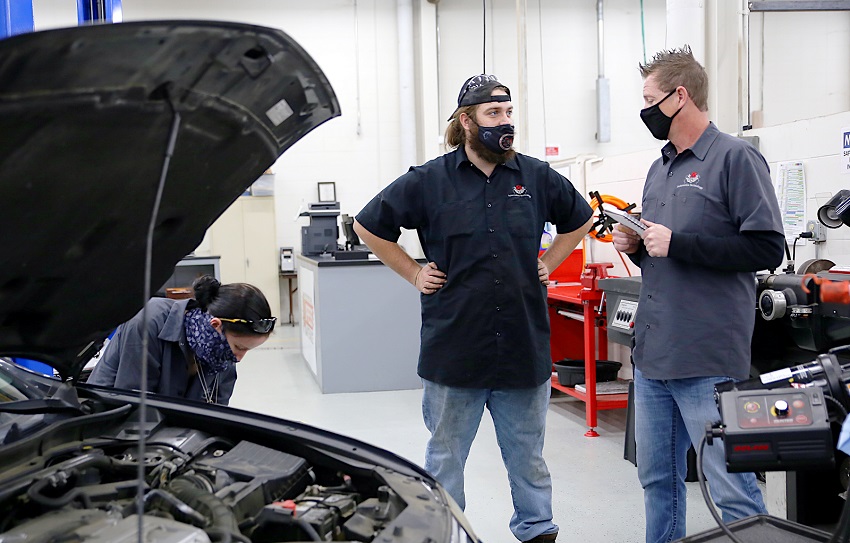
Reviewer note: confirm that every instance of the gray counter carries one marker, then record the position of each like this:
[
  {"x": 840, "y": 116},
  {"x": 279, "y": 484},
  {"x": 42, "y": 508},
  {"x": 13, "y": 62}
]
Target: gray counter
[{"x": 359, "y": 325}]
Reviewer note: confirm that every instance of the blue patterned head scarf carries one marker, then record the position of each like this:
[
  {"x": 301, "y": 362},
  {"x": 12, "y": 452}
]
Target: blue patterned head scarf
[{"x": 210, "y": 347}]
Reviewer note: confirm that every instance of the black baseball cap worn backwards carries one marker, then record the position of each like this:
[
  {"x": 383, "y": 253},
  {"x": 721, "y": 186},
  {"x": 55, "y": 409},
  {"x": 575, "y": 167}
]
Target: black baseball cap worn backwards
[{"x": 478, "y": 89}]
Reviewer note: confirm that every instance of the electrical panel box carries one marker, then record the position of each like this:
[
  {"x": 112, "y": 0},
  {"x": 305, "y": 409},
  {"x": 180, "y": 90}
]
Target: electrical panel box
[
  {"x": 624, "y": 316},
  {"x": 621, "y": 303},
  {"x": 818, "y": 231}
]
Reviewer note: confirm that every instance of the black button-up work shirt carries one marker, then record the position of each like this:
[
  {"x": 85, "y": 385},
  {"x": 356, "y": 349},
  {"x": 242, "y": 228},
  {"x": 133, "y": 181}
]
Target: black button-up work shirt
[{"x": 488, "y": 327}]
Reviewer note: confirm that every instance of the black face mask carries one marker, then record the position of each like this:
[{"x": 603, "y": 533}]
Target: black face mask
[
  {"x": 655, "y": 119},
  {"x": 498, "y": 139}
]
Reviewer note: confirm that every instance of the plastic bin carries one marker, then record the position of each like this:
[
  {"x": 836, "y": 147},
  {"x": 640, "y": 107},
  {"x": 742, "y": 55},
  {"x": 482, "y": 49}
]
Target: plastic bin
[{"x": 571, "y": 372}]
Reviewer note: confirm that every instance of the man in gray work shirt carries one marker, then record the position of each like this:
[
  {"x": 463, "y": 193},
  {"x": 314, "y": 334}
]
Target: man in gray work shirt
[{"x": 712, "y": 221}]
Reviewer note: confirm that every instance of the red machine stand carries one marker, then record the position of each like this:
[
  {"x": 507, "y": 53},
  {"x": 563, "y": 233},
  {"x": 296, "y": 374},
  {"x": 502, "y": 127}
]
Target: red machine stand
[{"x": 581, "y": 303}]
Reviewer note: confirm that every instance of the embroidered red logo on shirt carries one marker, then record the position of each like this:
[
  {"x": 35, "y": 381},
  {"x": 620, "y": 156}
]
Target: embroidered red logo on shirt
[
  {"x": 519, "y": 191},
  {"x": 693, "y": 178}
]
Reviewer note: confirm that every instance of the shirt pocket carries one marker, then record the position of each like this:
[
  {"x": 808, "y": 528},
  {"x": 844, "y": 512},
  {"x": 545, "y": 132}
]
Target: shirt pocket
[
  {"x": 648, "y": 210},
  {"x": 718, "y": 220},
  {"x": 688, "y": 211},
  {"x": 520, "y": 218},
  {"x": 453, "y": 219}
]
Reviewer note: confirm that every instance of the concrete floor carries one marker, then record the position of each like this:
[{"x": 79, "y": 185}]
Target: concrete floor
[{"x": 597, "y": 496}]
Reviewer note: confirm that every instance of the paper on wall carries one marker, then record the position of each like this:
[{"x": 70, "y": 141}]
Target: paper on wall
[{"x": 790, "y": 188}]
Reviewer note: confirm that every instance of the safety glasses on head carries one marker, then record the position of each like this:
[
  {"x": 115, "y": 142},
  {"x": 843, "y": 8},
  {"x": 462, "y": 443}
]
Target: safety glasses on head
[{"x": 260, "y": 326}]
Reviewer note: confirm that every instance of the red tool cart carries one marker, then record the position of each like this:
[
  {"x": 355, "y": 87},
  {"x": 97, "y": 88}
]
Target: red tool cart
[{"x": 577, "y": 319}]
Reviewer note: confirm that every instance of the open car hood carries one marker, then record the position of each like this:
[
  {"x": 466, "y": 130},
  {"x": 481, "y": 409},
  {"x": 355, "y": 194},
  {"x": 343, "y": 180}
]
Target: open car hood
[{"x": 86, "y": 115}]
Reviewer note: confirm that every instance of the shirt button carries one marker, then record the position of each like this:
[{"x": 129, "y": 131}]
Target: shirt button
[
  {"x": 495, "y": 255},
  {"x": 649, "y": 296},
  {"x": 662, "y": 203},
  {"x": 670, "y": 174},
  {"x": 647, "y": 326},
  {"x": 489, "y": 205},
  {"x": 498, "y": 282},
  {"x": 490, "y": 230},
  {"x": 488, "y": 181},
  {"x": 498, "y": 308},
  {"x": 498, "y": 334},
  {"x": 651, "y": 265}
]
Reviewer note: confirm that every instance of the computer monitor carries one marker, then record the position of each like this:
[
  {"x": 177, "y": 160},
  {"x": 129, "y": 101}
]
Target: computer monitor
[{"x": 351, "y": 239}]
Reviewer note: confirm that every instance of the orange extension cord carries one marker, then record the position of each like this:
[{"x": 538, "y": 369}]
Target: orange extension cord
[{"x": 608, "y": 238}]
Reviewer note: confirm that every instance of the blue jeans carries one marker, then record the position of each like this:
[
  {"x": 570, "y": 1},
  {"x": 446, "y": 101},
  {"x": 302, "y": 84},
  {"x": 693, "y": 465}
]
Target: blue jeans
[
  {"x": 669, "y": 416},
  {"x": 453, "y": 415}
]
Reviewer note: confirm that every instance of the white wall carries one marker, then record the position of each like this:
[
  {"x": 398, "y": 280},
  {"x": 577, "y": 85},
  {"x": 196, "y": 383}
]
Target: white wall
[
  {"x": 562, "y": 66},
  {"x": 794, "y": 68}
]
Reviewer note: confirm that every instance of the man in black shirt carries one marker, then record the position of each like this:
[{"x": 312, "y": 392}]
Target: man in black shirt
[{"x": 480, "y": 211}]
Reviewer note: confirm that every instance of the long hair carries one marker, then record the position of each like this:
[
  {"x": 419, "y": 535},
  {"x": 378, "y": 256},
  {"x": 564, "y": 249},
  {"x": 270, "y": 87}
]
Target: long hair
[{"x": 455, "y": 133}]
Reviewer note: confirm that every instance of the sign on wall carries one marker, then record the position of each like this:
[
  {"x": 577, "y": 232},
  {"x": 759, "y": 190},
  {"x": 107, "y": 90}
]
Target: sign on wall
[
  {"x": 845, "y": 150},
  {"x": 790, "y": 188}
]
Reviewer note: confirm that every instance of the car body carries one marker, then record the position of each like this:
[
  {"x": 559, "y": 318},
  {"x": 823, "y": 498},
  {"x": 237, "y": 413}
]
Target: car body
[{"x": 121, "y": 145}]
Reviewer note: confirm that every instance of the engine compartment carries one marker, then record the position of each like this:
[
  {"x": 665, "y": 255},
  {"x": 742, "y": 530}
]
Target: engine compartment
[{"x": 197, "y": 487}]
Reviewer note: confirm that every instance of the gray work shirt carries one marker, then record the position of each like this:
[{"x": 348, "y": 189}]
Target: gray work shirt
[
  {"x": 692, "y": 320},
  {"x": 168, "y": 356}
]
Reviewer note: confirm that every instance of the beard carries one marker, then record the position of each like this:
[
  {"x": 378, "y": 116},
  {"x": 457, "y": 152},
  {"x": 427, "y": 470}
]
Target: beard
[{"x": 486, "y": 154}]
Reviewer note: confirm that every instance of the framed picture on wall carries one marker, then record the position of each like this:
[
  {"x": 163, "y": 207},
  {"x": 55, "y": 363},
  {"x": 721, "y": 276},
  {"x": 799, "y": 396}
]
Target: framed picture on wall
[{"x": 327, "y": 191}]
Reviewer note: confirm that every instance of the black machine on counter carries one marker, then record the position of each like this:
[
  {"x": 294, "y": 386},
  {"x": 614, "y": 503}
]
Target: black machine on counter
[
  {"x": 353, "y": 249},
  {"x": 320, "y": 236},
  {"x": 795, "y": 322},
  {"x": 804, "y": 312}
]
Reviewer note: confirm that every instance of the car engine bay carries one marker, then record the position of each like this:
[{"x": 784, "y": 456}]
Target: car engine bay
[{"x": 78, "y": 479}]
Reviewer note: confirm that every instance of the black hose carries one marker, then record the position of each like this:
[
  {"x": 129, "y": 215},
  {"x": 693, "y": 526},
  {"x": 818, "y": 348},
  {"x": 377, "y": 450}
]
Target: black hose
[
  {"x": 221, "y": 518},
  {"x": 708, "y": 501},
  {"x": 172, "y": 501},
  {"x": 65, "y": 476},
  {"x": 36, "y": 494}
]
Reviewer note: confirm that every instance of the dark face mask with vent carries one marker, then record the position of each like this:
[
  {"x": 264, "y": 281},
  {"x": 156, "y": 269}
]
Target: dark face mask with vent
[{"x": 498, "y": 139}]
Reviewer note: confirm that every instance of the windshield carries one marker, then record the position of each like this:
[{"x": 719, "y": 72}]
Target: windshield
[
  {"x": 8, "y": 391},
  {"x": 18, "y": 384}
]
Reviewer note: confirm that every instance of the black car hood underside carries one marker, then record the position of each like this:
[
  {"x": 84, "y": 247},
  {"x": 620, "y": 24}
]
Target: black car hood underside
[{"x": 85, "y": 119}]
